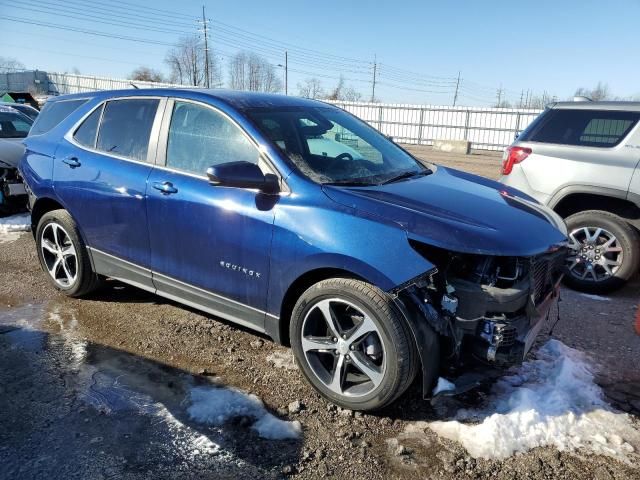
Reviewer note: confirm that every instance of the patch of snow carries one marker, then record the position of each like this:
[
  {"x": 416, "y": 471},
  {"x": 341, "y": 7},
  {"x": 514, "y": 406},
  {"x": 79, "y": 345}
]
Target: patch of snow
[
  {"x": 443, "y": 385},
  {"x": 282, "y": 360},
  {"x": 214, "y": 406},
  {"x": 15, "y": 223},
  {"x": 12, "y": 227},
  {"x": 549, "y": 401},
  {"x": 596, "y": 297}
]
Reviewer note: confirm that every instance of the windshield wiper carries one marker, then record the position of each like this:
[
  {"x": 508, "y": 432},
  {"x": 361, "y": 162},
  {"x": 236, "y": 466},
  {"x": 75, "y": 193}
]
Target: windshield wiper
[
  {"x": 348, "y": 183},
  {"x": 404, "y": 175}
]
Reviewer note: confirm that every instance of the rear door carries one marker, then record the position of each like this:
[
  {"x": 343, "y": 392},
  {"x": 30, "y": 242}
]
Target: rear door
[
  {"x": 210, "y": 245},
  {"x": 581, "y": 146},
  {"x": 100, "y": 174}
]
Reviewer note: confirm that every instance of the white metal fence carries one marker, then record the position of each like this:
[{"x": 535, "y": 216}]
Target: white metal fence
[{"x": 485, "y": 128}]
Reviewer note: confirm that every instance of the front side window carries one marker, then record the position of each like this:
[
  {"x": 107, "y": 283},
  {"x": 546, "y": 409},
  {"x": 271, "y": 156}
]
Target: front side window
[
  {"x": 589, "y": 128},
  {"x": 329, "y": 145},
  {"x": 126, "y": 127},
  {"x": 200, "y": 137},
  {"x": 13, "y": 124},
  {"x": 53, "y": 113}
]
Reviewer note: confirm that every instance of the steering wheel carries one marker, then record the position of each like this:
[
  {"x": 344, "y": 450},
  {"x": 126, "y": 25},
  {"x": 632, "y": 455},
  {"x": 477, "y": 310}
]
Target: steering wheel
[{"x": 344, "y": 156}]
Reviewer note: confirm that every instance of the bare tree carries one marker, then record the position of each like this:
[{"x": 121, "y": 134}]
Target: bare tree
[
  {"x": 600, "y": 92},
  {"x": 310, "y": 88},
  {"x": 248, "y": 71},
  {"x": 8, "y": 64},
  {"x": 146, "y": 74},
  {"x": 336, "y": 93},
  {"x": 350, "y": 94},
  {"x": 186, "y": 62},
  {"x": 343, "y": 92}
]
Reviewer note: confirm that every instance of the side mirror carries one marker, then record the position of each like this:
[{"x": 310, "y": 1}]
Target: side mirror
[{"x": 243, "y": 175}]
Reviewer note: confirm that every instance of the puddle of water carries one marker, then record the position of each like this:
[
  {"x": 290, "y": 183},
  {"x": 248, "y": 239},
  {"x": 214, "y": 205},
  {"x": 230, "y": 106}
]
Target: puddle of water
[{"x": 126, "y": 391}]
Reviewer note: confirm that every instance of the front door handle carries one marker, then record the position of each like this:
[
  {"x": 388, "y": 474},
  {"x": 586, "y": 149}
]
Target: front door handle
[
  {"x": 73, "y": 162},
  {"x": 165, "y": 187}
]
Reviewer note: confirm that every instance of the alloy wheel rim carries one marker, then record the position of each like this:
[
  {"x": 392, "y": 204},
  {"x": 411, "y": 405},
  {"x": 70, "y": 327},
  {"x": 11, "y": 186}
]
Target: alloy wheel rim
[
  {"x": 343, "y": 347},
  {"x": 596, "y": 254},
  {"x": 59, "y": 255}
]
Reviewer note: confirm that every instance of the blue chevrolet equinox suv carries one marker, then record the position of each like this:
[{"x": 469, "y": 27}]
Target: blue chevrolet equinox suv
[{"x": 296, "y": 219}]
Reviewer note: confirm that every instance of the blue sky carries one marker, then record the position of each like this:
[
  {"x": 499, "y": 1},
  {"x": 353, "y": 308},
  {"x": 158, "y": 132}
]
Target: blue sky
[{"x": 420, "y": 46}]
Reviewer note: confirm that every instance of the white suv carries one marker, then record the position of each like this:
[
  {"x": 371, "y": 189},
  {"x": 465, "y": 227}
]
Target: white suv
[{"x": 582, "y": 159}]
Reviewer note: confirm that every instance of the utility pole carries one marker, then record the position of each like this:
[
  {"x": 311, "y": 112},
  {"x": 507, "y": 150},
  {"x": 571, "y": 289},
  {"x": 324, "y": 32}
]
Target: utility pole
[
  {"x": 206, "y": 49},
  {"x": 375, "y": 72},
  {"x": 521, "y": 96},
  {"x": 499, "y": 96},
  {"x": 455, "y": 95},
  {"x": 286, "y": 72}
]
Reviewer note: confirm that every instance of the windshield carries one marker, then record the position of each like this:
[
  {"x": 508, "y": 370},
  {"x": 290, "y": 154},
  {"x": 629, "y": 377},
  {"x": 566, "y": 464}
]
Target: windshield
[
  {"x": 13, "y": 124},
  {"x": 331, "y": 146}
]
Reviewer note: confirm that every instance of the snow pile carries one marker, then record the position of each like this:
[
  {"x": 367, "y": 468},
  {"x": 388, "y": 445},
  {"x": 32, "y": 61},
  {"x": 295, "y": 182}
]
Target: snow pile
[
  {"x": 443, "y": 385},
  {"x": 215, "y": 406},
  {"x": 11, "y": 227},
  {"x": 549, "y": 401},
  {"x": 595, "y": 297},
  {"x": 15, "y": 223}
]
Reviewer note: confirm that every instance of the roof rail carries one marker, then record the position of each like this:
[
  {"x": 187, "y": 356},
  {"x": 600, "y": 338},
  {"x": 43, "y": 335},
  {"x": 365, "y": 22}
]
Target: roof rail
[{"x": 581, "y": 98}]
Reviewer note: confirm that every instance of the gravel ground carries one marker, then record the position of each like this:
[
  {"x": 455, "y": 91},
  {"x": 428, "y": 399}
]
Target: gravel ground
[{"x": 57, "y": 352}]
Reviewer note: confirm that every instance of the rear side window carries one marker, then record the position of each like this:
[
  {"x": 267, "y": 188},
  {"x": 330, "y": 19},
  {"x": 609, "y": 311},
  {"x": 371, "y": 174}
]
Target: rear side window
[
  {"x": 589, "y": 128},
  {"x": 53, "y": 113},
  {"x": 126, "y": 127},
  {"x": 87, "y": 132}
]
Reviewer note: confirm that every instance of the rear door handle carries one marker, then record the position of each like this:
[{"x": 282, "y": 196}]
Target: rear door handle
[
  {"x": 165, "y": 187},
  {"x": 73, "y": 162}
]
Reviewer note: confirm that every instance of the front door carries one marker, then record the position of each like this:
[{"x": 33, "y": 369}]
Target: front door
[
  {"x": 100, "y": 174},
  {"x": 209, "y": 244}
]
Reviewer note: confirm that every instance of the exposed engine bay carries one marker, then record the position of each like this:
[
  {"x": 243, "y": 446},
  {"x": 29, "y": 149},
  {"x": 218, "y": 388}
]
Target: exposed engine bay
[{"x": 486, "y": 308}]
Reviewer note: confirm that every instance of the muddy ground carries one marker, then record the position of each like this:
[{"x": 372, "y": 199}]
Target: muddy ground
[{"x": 97, "y": 388}]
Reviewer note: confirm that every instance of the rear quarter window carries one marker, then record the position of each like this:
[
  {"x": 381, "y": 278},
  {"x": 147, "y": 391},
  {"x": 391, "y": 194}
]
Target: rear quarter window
[
  {"x": 53, "y": 113},
  {"x": 588, "y": 128}
]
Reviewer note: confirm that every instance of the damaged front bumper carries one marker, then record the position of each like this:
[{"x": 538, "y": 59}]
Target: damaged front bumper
[{"x": 485, "y": 310}]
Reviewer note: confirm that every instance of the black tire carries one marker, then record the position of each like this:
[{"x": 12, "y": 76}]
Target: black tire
[
  {"x": 628, "y": 240},
  {"x": 392, "y": 330},
  {"x": 85, "y": 280}
]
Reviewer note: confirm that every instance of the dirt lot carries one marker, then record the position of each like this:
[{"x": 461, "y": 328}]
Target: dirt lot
[{"x": 100, "y": 388}]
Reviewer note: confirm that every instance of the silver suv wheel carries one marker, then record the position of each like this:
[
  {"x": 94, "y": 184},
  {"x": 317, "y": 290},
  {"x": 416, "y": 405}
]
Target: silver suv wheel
[
  {"x": 59, "y": 255},
  {"x": 343, "y": 347},
  {"x": 596, "y": 254}
]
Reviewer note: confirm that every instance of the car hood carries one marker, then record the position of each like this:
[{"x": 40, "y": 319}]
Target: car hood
[
  {"x": 461, "y": 212},
  {"x": 11, "y": 150}
]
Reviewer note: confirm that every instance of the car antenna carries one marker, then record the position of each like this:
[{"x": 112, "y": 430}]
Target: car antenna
[{"x": 134, "y": 85}]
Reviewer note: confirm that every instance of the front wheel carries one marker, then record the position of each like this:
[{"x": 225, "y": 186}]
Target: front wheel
[
  {"x": 605, "y": 251},
  {"x": 352, "y": 344}
]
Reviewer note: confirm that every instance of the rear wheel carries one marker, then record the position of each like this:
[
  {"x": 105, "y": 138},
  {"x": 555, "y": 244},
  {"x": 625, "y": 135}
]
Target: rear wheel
[
  {"x": 605, "y": 251},
  {"x": 63, "y": 255},
  {"x": 352, "y": 344}
]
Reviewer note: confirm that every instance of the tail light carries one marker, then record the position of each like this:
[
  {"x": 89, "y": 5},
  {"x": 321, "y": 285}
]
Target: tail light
[{"x": 513, "y": 155}]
